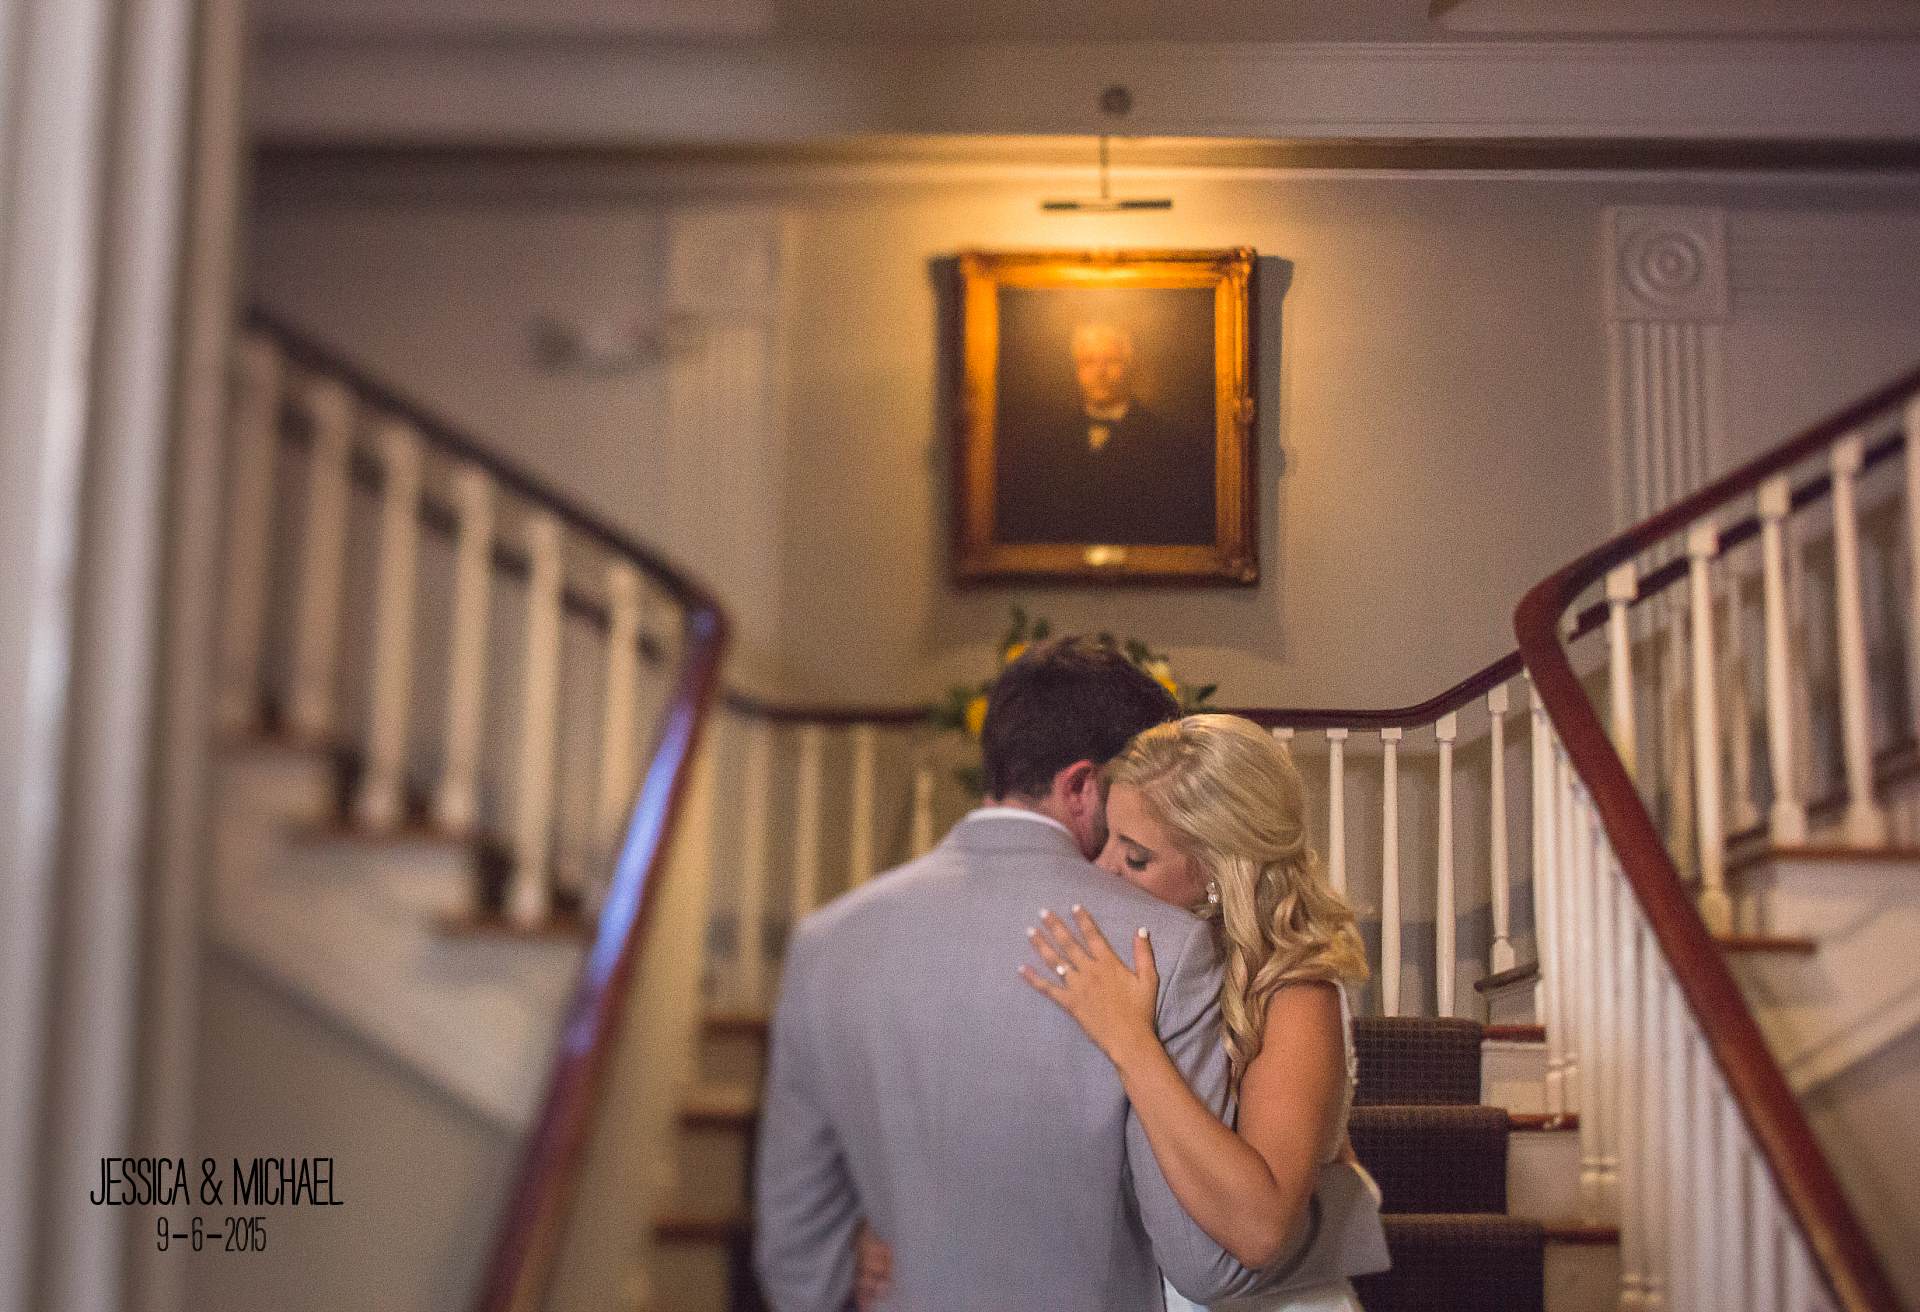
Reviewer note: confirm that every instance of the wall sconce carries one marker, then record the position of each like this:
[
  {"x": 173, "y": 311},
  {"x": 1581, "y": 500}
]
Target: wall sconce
[{"x": 1116, "y": 102}]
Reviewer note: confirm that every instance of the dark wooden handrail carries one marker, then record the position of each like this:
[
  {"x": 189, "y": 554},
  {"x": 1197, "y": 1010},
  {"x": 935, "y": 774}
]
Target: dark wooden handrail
[
  {"x": 1847, "y": 1262},
  {"x": 530, "y": 1227}
]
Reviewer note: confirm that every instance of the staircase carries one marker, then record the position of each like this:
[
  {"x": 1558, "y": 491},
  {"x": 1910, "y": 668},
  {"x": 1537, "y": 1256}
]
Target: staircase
[{"x": 1612, "y": 960}]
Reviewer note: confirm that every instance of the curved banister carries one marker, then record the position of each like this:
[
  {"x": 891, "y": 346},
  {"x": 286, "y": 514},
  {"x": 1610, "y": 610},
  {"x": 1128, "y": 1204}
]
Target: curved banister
[
  {"x": 530, "y": 1226},
  {"x": 1767, "y": 1103}
]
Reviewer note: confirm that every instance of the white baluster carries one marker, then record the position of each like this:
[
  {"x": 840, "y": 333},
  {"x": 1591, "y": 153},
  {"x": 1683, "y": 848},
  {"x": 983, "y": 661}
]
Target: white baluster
[
  {"x": 1654, "y": 1114},
  {"x": 1390, "y": 872},
  {"x": 1337, "y": 810},
  {"x": 756, "y": 790},
  {"x": 1682, "y": 1204},
  {"x": 1739, "y": 706},
  {"x": 860, "y": 866},
  {"x": 806, "y": 821},
  {"x": 922, "y": 808},
  {"x": 1764, "y": 1267},
  {"x": 1546, "y": 944},
  {"x": 329, "y": 408},
  {"x": 1913, "y": 564},
  {"x": 1498, "y": 874},
  {"x": 1623, "y": 585},
  {"x": 457, "y": 805},
  {"x": 1736, "y": 1225},
  {"x": 1566, "y": 921},
  {"x": 1704, "y": 1152},
  {"x": 1787, "y": 820},
  {"x": 1606, "y": 1004},
  {"x": 1629, "y": 1072},
  {"x": 1866, "y": 822},
  {"x": 382, "y": 796},
  {"x": 618, "y": 720},
  {"x": 1703, "y": 543},
  {"x": 1593, "y": 1065},
  {"x": 1678, "y": 747},
  {"x": 1444, "y": 950},
  {"x": 1799, "y": 1283},
  {"x": 529, "y": 894},
  {"x": 256, "y": 452}
]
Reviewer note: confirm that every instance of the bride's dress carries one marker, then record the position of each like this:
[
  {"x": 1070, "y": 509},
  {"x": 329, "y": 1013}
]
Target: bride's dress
[{"x": 1335, "y": 1295}]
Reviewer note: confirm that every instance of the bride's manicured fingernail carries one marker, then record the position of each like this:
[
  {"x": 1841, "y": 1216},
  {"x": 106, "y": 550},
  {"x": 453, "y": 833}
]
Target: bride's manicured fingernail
[
  {"x": 1143, "y": 931},
  {"x": 1077, "y": 908},
  {"x": 1032, "y": 932}
]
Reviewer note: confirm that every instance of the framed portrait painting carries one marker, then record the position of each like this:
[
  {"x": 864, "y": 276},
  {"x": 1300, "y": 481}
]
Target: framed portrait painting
[{"x": 1106, "y": 417}]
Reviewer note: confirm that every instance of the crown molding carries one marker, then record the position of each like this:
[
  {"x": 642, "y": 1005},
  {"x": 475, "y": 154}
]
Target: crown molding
[{"x": 714, "y": 94}]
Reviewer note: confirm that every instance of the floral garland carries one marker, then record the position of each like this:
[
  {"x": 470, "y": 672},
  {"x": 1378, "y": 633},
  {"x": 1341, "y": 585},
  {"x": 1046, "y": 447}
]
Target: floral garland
[{"x": 964, "y": 707}]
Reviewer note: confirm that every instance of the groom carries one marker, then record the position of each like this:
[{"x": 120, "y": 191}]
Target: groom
[{"x": 917, "y": 1082}]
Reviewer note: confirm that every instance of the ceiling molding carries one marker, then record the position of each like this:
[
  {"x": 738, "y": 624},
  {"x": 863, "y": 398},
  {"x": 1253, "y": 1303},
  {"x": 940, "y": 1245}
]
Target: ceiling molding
[{"x": 713, "y": 94}]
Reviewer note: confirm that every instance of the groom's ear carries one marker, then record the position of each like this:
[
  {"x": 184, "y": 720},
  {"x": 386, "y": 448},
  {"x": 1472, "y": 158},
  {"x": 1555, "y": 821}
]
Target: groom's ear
[{"x": 1079, "y": 782}]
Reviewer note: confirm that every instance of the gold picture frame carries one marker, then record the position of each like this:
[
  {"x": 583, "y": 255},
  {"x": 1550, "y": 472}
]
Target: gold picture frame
[{"x": 1105, "y": 418}]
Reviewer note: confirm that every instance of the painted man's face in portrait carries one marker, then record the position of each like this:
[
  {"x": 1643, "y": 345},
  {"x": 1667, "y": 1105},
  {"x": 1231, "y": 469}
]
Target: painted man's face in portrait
[{"x": 1103, "y": 364}]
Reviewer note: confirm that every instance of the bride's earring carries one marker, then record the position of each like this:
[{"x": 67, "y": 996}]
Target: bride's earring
[{"x": 1213, "y": 893}]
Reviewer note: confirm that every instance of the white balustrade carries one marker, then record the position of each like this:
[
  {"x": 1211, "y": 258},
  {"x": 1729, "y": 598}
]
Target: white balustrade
[
  {"x": 1735, "y": 1218},
  {"x": 1742, "y": 814},
  {"x": 1629, "y": 1071},
  {"x": 1546, "y": 942},
  {"x": 456, "y": 805},
  {"x": 529, "y": 896},
  {"x": 860, "y": 863},
  {"x": 1566, "y": 921},
  {"x": 1787, "y": 818},
  {"x": 756, "y": 788},
  {"x": 1683, "y": 1207},
  {"x": 1444, "y": 952},
  {"x": 1500, "y": 890},
  {"x": 1606, "y": 1006},
  {"x": 255, "y": 455},
  {"x": 1703, "y": 544},
  {"x": 1865, "y": 824},
  {"x": 1704, "y": 1154},
  {"x": 808, "y": 773},
  {"x": 1654, "y": 1113},
  {"x": 329, "y": 408},
  {"x": 619, "y": 742},
  {"x": 1591, "y": 1067},
  {"x": 1390, "y": 964},
  {"x": 1337, "y": 810},
  {"x": 1623, "y": 586},
  {"x": 382, "y": 797}
]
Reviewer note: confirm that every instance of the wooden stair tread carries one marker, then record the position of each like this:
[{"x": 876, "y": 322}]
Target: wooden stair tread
[
  {"x": 1824, "y": 853},
  {"x": 1515, "y": 1034},
  {"x": 1557, "y": 1233},
  {"x": 412, "y": 834},
  {"x": 748, "y": 1023},
  {"x": 721, "y": 1105},
  {"x": 1543, "y": 1122},
  {"x": 1756, "y": 944},
  {"x": 1523, "y": 973},
  {"x": 561, "y": 926}
]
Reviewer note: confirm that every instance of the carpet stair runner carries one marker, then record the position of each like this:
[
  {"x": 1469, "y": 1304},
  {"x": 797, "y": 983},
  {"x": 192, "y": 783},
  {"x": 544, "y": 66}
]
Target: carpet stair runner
[{"x": 1440, "y": 1159}]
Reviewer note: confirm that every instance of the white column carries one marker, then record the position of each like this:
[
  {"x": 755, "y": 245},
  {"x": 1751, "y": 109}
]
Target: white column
[
  {"x": 619, "y": 719},
  {"x": 456, "y": 806},
  {"x": 1390, "y": 872},
  {"x": 806, "y": 821},
  {"x": 1787, "y": 820},
  {"x": 1623, "y": 585},
  {"x": 756, "y": 788},
  {"x": 1735, "y": 1230},
  {"x": 529, "y": 894},
  {"x": 1445, "y": 954},
  {"x": 1866, "y": 822},
  {"x": 1703, "y": 543},
  {"x": 1592, "y": 1066},
  {"x": 860, "y": 864},
  {"x": 382, "y": 797},
  {"x": 1337, "y": 810},
  {"x": 1498, "y": 875},
  {"x": 1912, "y": 462},
  {"x": 1572, "y": 988},
  {"x": 316, "y": 639},
  {"x": 255, "y": 447},
  {"x": 1609, "y": 982},
  {"x": 922, "y": 808}
]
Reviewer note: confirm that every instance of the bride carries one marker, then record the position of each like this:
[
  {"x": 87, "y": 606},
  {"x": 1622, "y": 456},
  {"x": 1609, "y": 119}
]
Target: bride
[{"x": 1208, "y": 813}]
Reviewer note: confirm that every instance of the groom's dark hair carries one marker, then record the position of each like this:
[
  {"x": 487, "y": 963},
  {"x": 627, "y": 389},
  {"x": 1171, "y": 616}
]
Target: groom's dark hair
[{"x": 1073, "y": 699}]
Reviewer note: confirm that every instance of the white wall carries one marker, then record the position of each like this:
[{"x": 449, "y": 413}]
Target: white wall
[{"x": 1433, "y": 430}]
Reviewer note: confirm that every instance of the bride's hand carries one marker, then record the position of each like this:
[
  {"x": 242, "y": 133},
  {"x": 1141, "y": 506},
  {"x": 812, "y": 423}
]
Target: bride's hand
[{"x": 1114, "y": 1005}]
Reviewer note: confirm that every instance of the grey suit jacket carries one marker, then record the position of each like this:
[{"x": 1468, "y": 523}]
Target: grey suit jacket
[{"x": 916, "y": 1080}]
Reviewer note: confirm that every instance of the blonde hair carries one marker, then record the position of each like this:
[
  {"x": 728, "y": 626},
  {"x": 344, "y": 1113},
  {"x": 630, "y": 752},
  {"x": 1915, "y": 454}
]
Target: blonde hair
[{"x": 1231, "y": 798}]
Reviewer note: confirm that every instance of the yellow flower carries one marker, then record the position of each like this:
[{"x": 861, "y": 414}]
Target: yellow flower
[
  {"x": 1011, "y": 654},
  {"x": 977, "y": 714},
  {"x": 1163, "y": 675}
]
